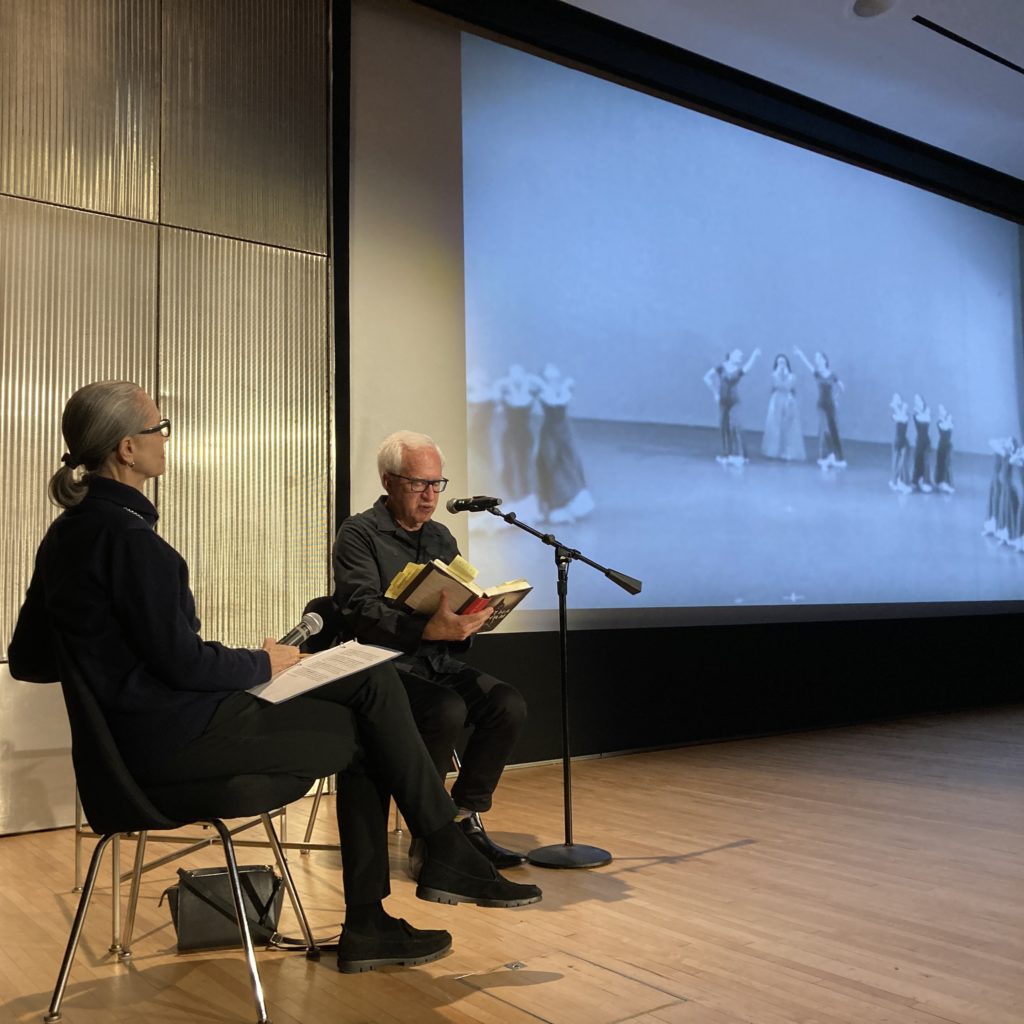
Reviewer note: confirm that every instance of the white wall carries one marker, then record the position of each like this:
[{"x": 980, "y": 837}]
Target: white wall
[
  {"x": 407, "y": 308},
  {"x": 37, "y": 783}
]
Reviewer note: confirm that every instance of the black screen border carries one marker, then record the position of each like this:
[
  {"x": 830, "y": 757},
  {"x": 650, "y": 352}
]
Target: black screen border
[{"x": 558, "y": 31}]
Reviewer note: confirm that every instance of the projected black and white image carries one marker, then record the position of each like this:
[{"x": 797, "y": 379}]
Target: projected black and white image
[{"x": 726, "y": 365}]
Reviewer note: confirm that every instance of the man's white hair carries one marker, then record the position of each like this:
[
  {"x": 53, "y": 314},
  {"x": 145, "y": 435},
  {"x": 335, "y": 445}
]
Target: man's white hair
[{"x": 391, "y": 452}]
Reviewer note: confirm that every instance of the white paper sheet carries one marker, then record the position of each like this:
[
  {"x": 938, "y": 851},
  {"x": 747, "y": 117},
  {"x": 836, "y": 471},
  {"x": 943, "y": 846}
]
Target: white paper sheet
[{"x": 323, "y": 667}]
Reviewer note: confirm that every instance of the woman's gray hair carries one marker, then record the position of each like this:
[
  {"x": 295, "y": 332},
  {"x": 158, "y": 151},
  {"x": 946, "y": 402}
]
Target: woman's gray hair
[
  {"x": 391, "y": 452},
  {"x": 95, "y": 420}
]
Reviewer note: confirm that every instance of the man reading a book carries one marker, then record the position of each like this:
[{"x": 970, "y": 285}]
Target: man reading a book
[{"x": 445, "y": 694}]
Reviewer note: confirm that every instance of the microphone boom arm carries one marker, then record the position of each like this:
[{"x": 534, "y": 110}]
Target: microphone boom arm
[{"x": 620, "y": 579}]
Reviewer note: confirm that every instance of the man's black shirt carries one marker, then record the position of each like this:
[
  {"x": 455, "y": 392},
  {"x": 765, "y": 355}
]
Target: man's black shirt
[{"x": 371, "y": 548}]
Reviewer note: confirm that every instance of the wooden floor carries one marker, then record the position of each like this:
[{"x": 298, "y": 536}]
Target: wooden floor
[{"x": 870, "y": 874}]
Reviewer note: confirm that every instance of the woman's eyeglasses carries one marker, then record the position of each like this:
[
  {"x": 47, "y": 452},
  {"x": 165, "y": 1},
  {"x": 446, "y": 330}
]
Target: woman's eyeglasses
[{"x": 163, "y": 427}]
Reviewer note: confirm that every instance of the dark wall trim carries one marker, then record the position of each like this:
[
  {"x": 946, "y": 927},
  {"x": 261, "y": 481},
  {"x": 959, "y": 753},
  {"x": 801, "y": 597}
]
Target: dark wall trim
[
  {"x": 632, "y": 689},
  {"x": 584, "y": 38},
  {"x": 341, "y": 89}
]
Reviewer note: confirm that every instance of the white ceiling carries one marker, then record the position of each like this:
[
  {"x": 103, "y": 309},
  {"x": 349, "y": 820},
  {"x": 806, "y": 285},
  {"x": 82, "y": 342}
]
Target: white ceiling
[{"x": 887, "y": 69}]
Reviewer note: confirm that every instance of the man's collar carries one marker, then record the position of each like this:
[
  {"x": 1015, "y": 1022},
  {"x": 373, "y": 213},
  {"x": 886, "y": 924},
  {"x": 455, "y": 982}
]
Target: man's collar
[{"x": 382, "y": 517}]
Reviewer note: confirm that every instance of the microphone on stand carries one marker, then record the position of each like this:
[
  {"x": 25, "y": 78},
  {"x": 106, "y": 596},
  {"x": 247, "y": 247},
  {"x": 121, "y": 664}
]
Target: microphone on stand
[
  {"x": 478, "y": 503},
  {"x": 309, "y": 625}
]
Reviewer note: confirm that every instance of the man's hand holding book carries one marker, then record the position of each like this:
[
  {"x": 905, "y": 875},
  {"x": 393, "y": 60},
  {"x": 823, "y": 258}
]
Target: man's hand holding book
[{"x": 446, "y": 624}]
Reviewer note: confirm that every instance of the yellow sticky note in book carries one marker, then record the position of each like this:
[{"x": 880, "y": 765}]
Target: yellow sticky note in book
[
  {"x": 461, "y": 569},
  {"x": 402, "y": 578}
]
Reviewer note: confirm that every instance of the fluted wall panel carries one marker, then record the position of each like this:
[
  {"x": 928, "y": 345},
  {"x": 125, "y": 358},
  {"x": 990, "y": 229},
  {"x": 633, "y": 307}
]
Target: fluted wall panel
[
  {"x": 245, "y": 379},
  {"x": 208, "y": 117},
  {"x": 244, "y": 119},
  {"x": 77, "y": 303},
  {"x": 79, "y": 103}
]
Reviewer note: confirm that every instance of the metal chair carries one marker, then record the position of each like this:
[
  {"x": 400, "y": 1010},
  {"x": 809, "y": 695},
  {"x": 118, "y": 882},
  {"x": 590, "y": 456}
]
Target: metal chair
[
  {"x": 328, "y": 611},
  {"x": 115, "y": 804}
]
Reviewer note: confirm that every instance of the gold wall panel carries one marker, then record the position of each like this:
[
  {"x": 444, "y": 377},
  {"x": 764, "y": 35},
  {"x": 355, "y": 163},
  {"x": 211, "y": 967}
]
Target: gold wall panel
[
  {"x": 245, "y": 120},
  {"x": 77, "y": 304},
  {"x": 79, "y": 103},
  {"x": 244, "y": 376},
  {"x": 209, "y": 115}
]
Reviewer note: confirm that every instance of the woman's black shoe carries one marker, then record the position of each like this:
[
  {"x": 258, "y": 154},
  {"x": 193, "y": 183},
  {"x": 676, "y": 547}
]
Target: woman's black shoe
[{"x": 404, "y": 947}]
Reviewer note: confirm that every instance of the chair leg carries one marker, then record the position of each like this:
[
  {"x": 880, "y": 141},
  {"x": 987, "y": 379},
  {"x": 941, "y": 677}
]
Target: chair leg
[
  {"x": 243, "y": 923},
  {"x": 79, "y": 832},
  {"x": 312, "y": 952},
  {"x": 76, "y": 930},
  {"x": 125, "y": 952},
  {"x": 313, "y": 812},
  {"x": 115, "y": 896}
]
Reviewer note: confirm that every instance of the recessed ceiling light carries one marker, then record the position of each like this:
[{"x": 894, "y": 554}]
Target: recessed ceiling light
[{"x": 872, "y": 8}]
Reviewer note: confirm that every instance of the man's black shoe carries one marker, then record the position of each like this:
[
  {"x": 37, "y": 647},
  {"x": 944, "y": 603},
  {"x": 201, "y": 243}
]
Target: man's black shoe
[
  {"x": 415, "y": 862},
  {"x": 497, "y": 855},
  {"x": 405, "y": 947},
  {"x": 444, "y": 883}
]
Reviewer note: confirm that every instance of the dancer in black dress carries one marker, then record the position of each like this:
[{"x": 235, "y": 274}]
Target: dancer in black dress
[
  {"x": 1002, "y": 448},
  {"x": 723, "y": 380},
  {"x": 518, "y": 392},
  {"x": 900, "y": 446},
  {"x": 1014, "y": 511},
  {"x": 944, "y": 452},
  {"x": 561, "y": 484},
  {"x": 1008, "y": 509},
  {"x": 830, "y": 447},
  {"x": 922, "y": 474}
]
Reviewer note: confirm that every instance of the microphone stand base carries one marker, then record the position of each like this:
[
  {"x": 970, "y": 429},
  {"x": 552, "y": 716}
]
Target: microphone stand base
[{"x": 569, "y": 855}]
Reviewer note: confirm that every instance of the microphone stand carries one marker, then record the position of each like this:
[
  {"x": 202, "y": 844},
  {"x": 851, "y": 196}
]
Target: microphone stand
[{"x": 568, "y": 854}]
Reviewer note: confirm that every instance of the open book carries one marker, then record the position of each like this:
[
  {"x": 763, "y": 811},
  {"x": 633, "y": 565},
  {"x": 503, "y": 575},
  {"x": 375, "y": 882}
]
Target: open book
[
  {"x": 316, "y": 669},
  {"x": 418, "y": 588}
]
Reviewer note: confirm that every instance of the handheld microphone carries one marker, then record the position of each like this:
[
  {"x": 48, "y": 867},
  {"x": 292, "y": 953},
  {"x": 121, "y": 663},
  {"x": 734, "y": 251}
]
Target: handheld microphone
[
  {"x": 478, "y": 503},
  {"x": 310, "y": 624}
]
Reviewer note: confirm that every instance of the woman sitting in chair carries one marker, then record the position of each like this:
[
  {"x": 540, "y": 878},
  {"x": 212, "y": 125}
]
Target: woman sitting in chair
[{"x": 117, "y": 597}]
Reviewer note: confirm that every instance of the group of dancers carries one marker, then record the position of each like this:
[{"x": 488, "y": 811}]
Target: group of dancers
[
  {"x": 783, "y": 436},
  {"x": 520, "y": 424},
  {"x": 912, "y": 466}
]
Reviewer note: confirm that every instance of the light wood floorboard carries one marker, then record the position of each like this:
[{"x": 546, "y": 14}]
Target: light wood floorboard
[{"x": 872, "y": 874}]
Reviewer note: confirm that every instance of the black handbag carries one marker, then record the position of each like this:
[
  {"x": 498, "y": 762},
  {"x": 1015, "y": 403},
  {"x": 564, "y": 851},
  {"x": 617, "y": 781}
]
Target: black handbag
[{"x": 203, "y": 910}]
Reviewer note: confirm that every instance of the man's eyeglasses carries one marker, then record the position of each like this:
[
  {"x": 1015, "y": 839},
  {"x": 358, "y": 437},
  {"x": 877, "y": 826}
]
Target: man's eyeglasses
[
  {"x": 417, "y": 485},
  {"x": 163, "y": 427}
]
